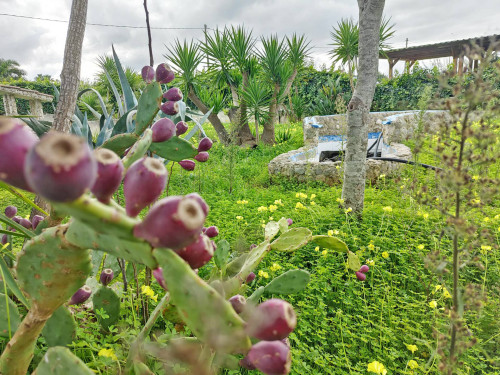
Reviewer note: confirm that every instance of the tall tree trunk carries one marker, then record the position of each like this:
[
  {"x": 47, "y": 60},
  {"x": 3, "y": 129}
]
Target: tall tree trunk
[
  {"x": 268, "y": 133},
  {"x": 234, "y": 94},
  {"x": 289, "y": 83},
  {"x": 70, "y": 75},
  {"x": 353, "y": 190},
  {"x": 213, "y": 118},
  {"x": 244, "y": 134}
]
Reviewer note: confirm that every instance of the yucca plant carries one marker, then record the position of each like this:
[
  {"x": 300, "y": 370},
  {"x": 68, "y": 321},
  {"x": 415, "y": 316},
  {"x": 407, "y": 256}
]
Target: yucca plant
[{"x": 257, "y": 98}]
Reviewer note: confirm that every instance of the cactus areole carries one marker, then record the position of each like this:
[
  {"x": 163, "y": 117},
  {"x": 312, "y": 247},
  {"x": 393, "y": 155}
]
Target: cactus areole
[
  {"x": 16, "y": 139},
  {"x": 60, "y": 167}
]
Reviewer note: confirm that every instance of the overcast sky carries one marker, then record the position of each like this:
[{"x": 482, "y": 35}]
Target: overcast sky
[{"x": 39, "y": 45}]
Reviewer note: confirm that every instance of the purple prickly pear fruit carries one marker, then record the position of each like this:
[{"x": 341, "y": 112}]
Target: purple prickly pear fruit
[
  {"x": 107, "y": 275},
  {"x": 238, "y": 302},
  {"x": 201, "y": 201},
  {"x": 60, "y": 167},
  {"x": 17, "y": 219},
  {"x": 286, "y": 341},
  {"x": 289, "y": 221},
  {"x": 180, "y": 128},
  {"x": 109, "y": 174},
  {"x": 253, "y": 246},
  {"x": 163, "y": 130},
  {"x": 172, "y": 222},
  {"x": 80, "y": 296},
  {"x": 205, "y": 144},
  {"x": 10, "y": 211},
  {"x": 4, "y": 239},
  {"x": 273, "y": 319},
  {"x": 361, "y": 276},
  {"x": 170, "y": 108},
  {"x": 202, "y": 156},
  {"x": 16, "y": 139},
  {"x": 364, "y": 268},
  {"x": 173, "y": 94},
  {"x": 148, "y": 74},
  {"x": 271, "y": 357},
  {"x": 143, "y": 184},
  {"x": 198, "y": 253},
  {"x": 245, "y": 363},
  {"x": 212, "y": 231},
  {"x": 37, "y": 219},
  {"x": 158, "y": 275},
  {"x": 25, "y": 223},
  {"x": 204, "y": 229},
  {"x": 188, "y": 165},
  {"x": 164, "y": 73},
  {"x": 250, "y": 278}
]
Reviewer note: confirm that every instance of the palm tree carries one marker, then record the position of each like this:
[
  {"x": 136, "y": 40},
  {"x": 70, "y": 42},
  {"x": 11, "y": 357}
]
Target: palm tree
[
  {"x": 257, "y": 97},
  {"x": 9, "y": 69}
]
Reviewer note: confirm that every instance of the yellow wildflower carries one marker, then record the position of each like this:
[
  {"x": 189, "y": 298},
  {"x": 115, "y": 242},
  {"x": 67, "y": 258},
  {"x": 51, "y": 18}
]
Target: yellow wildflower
[
  {"x": 146, "y": 290},
  {"x": 313, "y": 203},
  {"x": 485, "y": 249},
  {"x": 316, "y": 248},
  {"x": 109, "y": 353},
  {"x": 336, "y": 232},
  {"x": 377, "y": 368},
  {"x": 301, "y": 195},
  {"x": 243, "y": 201},
  {"x": 275, "y": 267},
  {"x": 385, "y": 255},
  {"x": 486, "y": 219},
  {"x": 402, "y": 187},
  {"x": 330, "y": 233},
  {"x": 381, "y": 176},
  {"x": 476, "y": 177},
  {"x": 262, "y": 208},
  {"x": 421, "y": 247},
  {"x": 370, "y": 262},
  {"x": 273, "y": 208},
  {"x": 299, "y": 206},
  {"x": 313, "y": 196},
  {"x": 371, "y": 246},
  {"x": 263, "y": 274},
  {"x": 340, "y": 200},
  {"x": 324, "y": 252},
  {"x": 446, "y": 294},
  {"x": 433, "y": 304},
  {"x": 278, "y": 202},
  {"x": 411, "y": 348},
  {"x": 271, "y": 218},
  {"x": 387, "y": 209},
  {"x": 263, "y": 225},
  {"x": 412, "y": 364},
  {"x": 437, "y": 287},
  {"x": 239, "y": 217},
  {"x": 475, "y": 201},
  {"x": 348, "y": 210}
]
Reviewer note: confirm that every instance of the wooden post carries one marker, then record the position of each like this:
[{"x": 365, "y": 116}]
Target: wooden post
[
  {"x": 460, "y": 65},
  {"x": 392, "y": 62}
]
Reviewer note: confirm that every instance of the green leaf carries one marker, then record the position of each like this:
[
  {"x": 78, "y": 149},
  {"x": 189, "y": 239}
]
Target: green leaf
[
  {"x": 8, "y": 322},
  {"x": 175, "y": 149},
  {"x": 121, "y": 125},
  {"x": 221, "y": 254},
  {"x": 291, "y": 282},
  {"x": 353, "y": 261},
  {"x": 120, "y": 142},
  {"x": 292, "y": 239},
  {"x": 331, "y": 243},
  {"x": 148, "y": 106},
  {"x": 128, "y": 94},
  {"x": 11, "y": 283},
  {"x": 255, "y": 297},
  {"x": 11, "y": 223}
]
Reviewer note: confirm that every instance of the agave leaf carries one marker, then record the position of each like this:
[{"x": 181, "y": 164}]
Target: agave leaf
[
  {"x": 101, "y": 100},
  {"x": 76, "y": 126},
  {"x": 131, "y": 121},
  {"x": 92, "y": 110},
  {"x": 106, "y": 130},
  {"x": 128, "y": 94},
  {"x": 116, "y": 93},
  {"x": 182, "y": 110},
  {"x": 121, "y": 125},
  {"x": 198, "y": 126},
  {"x": 56, "y": 93}
]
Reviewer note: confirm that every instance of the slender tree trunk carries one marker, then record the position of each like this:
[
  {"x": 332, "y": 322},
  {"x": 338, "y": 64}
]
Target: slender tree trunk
[
  {"x": 150, "y": 43},
  {"x": 353, "y": 190},
  {"x": 213, "y": 118},
  {"x": 268, "y": 133},
  {"x": 234, "y": 94},
  {"x": 70, "y": 75},
  {"x": 244, "y": 134}
]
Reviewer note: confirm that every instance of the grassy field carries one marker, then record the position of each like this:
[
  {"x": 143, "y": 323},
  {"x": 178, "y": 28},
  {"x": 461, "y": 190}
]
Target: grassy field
[{"x": 399, "y": 314}]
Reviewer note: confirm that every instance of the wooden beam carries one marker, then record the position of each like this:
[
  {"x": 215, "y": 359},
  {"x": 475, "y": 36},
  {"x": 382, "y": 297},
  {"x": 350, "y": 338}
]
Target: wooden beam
[
  {"x": 392, "y": 62},
  {"x": 460, "y": 65}
]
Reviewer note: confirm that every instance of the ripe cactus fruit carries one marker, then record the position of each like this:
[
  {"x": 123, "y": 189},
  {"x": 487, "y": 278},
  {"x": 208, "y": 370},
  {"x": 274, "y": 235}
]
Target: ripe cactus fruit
[
  {"x": 163, "y": 130},
  {"x": 180, "y": 128},
  {"x": 172, "y": 222},
  {"x": 25, "y": 223},
  {"x": 164, "y": 73},
  {"x": 364, "y": 268},
  {"x": 60, "y": 167},
  {"x": 245, "y": 363},
  {"x": 37, "y": 219},
  {"x": 143, "y": 184},
  {"x": 201, "y": 201},
  {"x": 80, "y": 296},
  {"x": 16, "y": 139},
  {"x": 271, "y": 357},
  {"x": 212, "y": 231},
  {"x": 10, "y": 211},
  {"x": 158, "y": 275},
  {"x": 198, "y": 253},
  {"x": 174, "y": 94},
  {"x": 238, "y": 302},
  {"x": 170, "y": 108},
  {"x": 109, "y": 174},
  {"x": 148, "y": 74},
  {"x": 106, "y": 276},
  {"x": 250, "y": 278},
  {"x": 361, "y": 276},
  {"x": 4, "y": 239},
  {"x": 202, "y": 156},
  {"x": 188, "y": 165},
  {"x": 17, "y": 219},
  {"x": 205, "y": 144},
  {"x": 289, "y": 221},
  {"x": 273, "y": 319}
]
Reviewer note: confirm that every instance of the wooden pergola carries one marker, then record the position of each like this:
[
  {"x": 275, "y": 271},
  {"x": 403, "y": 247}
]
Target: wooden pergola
[{"x": 457, "y": 49}]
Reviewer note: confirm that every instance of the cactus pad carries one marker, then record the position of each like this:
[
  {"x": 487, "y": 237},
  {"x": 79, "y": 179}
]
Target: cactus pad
[
  {"x": 60, "y": 329},
  {"x": 292, "y": 239},
  {"x": 331, "y": 243},
  {"x": 6, "y": 302},
  {"x": 60, "y": 361},
  {"x": 290, "y": 282},
  {"x": 139, "y": 149},
  {"x": 120, "y": 142},
  {"x": 175, "y": 149},
  {"x": 107, "y": 300},
  {"x": 206, "y": 313},
  {"x": 148, "y": 106},
  {"x": 283, "y": 223},
  {"x": 221, "y": 254},
  {"x": 271, "y": 230},
  {"x": 353, "y": 261}
]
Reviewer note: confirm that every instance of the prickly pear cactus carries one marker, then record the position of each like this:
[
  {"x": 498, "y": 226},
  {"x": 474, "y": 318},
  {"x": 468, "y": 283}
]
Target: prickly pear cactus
[
  {"x": 148, "y": 106},
  {"x": 290, "y": 282},
  {"x": 175, "y": 149},
  {"x": 60, "y": 329},
  {"x": 331, "y": 243},
  {"x": 60, "y": 361},
  {"x": 107, "y": 301},
  {"x": 292, "y": 239}
]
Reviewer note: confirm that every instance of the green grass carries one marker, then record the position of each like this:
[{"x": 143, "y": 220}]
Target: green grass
[{"x": 343, "y": 324}]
